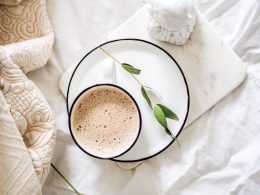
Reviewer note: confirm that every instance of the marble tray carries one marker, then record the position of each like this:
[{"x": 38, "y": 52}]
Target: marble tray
[{"x": 211, "y": 68}]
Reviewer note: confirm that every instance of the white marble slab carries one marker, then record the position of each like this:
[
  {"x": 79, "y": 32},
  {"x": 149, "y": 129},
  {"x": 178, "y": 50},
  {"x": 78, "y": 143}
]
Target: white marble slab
[{"x": 212, "y": 69}]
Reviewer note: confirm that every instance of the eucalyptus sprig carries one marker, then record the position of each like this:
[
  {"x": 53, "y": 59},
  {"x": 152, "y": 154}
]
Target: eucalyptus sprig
[{"x": 160, "y": 111}]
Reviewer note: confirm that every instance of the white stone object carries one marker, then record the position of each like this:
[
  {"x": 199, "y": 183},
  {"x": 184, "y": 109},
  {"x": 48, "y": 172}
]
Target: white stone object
[{"x": 171, "y": 20}]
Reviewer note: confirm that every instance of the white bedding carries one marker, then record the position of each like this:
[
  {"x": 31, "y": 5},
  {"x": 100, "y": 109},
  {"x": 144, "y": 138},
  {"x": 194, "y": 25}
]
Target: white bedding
[{"x": 220, "y": 151}]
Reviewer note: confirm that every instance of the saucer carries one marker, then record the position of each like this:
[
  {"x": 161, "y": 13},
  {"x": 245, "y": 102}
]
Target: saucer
[{"x": 159, "y": 70}]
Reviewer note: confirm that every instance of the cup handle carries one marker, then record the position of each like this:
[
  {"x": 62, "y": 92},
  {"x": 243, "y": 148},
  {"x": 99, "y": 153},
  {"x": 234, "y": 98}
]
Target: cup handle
[{"x": 109, "y": 71}]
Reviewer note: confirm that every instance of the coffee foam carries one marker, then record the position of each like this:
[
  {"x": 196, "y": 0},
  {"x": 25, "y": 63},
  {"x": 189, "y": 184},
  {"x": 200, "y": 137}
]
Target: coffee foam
[{"x": 105, "y": 121}]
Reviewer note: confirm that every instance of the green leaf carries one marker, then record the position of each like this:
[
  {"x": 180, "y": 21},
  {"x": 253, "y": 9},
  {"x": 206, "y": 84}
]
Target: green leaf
[
  {"x": 168, "y": 113},
  {"x": 129, "y": 68},
  {"x": 168, "y": 132},
  {"x": 160, "y": 117},
  {"x": 146, "y": 97}
]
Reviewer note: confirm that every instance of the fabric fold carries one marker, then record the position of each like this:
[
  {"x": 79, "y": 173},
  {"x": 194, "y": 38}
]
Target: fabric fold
[{"x": 17, "y": 175}]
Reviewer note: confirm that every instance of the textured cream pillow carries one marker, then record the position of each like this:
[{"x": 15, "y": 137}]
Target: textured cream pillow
[{"x": 26, "y": 39}]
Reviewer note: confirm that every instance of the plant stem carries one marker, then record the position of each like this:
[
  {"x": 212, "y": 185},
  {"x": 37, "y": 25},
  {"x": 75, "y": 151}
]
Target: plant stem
[
  {"x": 65, "y": 179},
  {"x": 174, "y": 138},
  {"x": 110, "y": 55},
  {"x": 136, "y": 80},
  {"x": 106, "y": 52}
]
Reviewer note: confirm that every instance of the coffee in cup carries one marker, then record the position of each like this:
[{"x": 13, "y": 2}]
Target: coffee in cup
[{"x": 105, "y": 121}]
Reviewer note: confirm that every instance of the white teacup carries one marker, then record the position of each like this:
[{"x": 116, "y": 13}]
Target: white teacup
[{"x": 105, "y": 121}]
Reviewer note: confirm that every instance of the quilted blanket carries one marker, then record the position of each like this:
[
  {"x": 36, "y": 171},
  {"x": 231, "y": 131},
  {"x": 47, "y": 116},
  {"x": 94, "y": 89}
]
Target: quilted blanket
[{"x": 27, "y": 128}]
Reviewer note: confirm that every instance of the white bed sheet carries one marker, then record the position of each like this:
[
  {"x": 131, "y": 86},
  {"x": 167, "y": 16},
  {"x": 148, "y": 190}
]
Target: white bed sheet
[{"x": 220, "y": 151}]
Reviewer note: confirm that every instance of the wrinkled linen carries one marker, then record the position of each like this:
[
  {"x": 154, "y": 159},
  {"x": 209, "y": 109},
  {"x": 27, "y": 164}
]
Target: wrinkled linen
[
  {"x": 220, "y": 150},
  {"x": 26, "y": 39}
]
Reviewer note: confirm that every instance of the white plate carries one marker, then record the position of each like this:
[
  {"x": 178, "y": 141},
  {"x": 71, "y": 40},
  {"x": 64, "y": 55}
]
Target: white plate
[{"x": 159, "y": 70}]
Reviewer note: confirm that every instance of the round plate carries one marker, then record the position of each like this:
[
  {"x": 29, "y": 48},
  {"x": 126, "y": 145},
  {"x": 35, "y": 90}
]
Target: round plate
[{"x": 159, "y": 70}]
